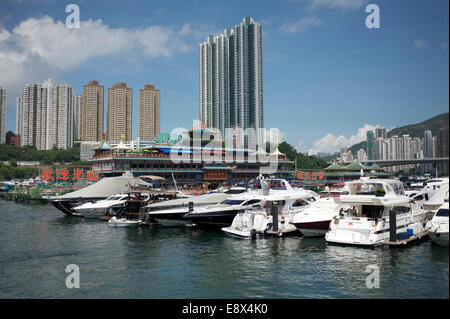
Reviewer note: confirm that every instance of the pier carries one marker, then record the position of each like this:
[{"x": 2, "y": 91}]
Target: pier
[{"x": 405, "y": 242}]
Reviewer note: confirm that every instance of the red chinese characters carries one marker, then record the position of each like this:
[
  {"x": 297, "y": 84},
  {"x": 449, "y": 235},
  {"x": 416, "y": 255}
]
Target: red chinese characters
[{"x": 62, "y": 174}]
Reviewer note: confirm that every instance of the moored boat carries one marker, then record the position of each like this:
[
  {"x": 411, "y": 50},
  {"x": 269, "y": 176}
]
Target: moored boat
[
  {"x": 438, "y": 226},
  {"x": 368, "y": 222},
  {"x": 172, "y": 213},
  {"x": 259, "y": 221},
  {"x": 100, "y": 190},
  {"x": 99, "y": 208},
  {"x": 315, "y": 220}
]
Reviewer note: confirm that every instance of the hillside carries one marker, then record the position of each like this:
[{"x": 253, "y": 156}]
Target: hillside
[
  {"x": 435, "y": 124},
  {"x": 29, "y": 153},
  {"x": 303, "y": 161},
  {"x": 416, "y": 130}
]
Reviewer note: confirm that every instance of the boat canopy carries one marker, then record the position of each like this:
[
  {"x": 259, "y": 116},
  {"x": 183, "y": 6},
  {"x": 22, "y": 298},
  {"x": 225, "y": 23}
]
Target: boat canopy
[{"x": 104, "y": 188}]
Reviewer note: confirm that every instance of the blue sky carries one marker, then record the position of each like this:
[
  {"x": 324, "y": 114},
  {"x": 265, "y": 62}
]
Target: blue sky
[{"x": 327, "y": 78}]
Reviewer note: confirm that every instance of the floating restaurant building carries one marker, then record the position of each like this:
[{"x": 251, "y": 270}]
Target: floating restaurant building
[
  {"x": 336, "y": 173},
  {"x": 195, "y": 157}
]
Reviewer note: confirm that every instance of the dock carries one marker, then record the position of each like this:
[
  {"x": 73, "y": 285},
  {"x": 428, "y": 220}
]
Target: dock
[{"x": 404, "y": 242}]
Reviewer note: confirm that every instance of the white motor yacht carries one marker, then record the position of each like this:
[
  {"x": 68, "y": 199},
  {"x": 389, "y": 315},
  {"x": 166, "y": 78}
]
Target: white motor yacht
[
  {"x": 438, "y": 226},
  {"x": 315, "y": 220},
  {"x": 430, "y": 188},
  {"x": 367, "y": 223},
  {"x": 172, "y": 213},
  {"x": 99, "y": 208},
  {"x": 438, "y": 207},
  {"x": 259, "y": 221},
  {"x": 223, "y": 213}
]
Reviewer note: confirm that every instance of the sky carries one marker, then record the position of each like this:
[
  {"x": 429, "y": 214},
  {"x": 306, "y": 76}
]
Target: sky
[{"x": 327, "y": 77}]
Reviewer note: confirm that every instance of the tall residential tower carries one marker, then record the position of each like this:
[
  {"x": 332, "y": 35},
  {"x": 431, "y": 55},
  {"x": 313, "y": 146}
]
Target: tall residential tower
[
  {"x": 76, "y": 102},
  {"x": 119, "y": 120},
  {"x": 91, "y": 116},
  {"x": 231, "y": 78},
  {"x": 2, "y": 115},
  {"x": 44, "y": 115},
  {"x": 149, "y": 113}
]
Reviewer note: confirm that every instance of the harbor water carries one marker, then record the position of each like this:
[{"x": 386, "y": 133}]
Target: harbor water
[{"x": 37, "y": 243}]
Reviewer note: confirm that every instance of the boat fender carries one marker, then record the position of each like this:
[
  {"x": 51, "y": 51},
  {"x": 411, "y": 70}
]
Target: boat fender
[{"x": 253, "y": 233}]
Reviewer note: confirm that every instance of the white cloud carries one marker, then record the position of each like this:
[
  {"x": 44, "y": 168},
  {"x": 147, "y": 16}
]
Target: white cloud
[
  {"x": 43, "y": 47},
  {"x": 301, "y": 25},
  {"x": 301, "y": 146},
  {"x": 331, "y": 143},
  {"x": 345, "y": 4},
  {"x": 420, "y": 44},
  {"x": 341, "y": 4}
]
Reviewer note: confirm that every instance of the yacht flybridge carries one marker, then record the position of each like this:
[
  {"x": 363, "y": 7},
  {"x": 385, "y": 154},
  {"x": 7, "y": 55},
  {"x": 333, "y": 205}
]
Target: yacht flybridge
[
  {"x": 260, "y": 220},
  {"x": 367, "y": 223}
]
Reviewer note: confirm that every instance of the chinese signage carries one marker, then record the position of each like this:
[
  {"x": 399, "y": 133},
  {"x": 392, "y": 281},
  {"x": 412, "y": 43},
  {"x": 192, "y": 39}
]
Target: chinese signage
[
  {"x": 215, "y": 175},
  {"x": 310, "y": 175},
  {"x": 53, "y": 174}
]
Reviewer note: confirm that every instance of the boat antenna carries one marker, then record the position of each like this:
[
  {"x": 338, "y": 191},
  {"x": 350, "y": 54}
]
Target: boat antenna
[{"x": 175, "y": 182}]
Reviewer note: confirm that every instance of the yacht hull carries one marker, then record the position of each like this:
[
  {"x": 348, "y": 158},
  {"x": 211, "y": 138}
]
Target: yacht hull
[
  {"x": 313, "y": 229},
  {"x": 365, "y": 236},
  {"x": 174, "y": 218},
  {"x": 92, "y": 212},
  {"x": 439, "y": 238},
  {"x": 212, "y": 219},
  {"x": 236, "y": 233},
  {"x": 171, "y": 222},
  {"x": 66, "y": 206}
]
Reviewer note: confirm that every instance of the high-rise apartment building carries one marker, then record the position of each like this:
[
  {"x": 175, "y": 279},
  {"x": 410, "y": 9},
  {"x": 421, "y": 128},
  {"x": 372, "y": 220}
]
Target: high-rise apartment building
[
  {"x": 149, "y": 113},
  {"x": 64, "y": 127},
  {"x": 2, "y": 115},
  {"x": 370, "y": 145},
  {"x": 119, "y": 118},
  {"x": 231, "y": 78},
  {"x": 428, "y": 148},
  {"x": 44, "y": 115},
  {"x": 380, "y": 132},
  {"x": 32, "y": 112},
  {"x": 442, "y": 146},
  {"x": 91, "y": 115},
  {"x": 428, "y": 144},
  {"x": 58, "y": 123},
  {"x": 407, "y": 147},
  {"x": 76, "y": 103}
]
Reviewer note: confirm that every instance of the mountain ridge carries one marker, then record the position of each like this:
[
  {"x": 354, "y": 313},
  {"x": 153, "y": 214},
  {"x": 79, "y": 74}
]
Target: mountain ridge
[{"x": 435, "y": 124}]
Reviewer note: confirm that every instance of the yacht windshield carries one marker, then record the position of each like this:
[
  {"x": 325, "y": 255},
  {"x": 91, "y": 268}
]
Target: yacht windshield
[
  {"x": 398, "y": 188},
  {"x": 443, "y": 212},
  {"x": 365, "y": 188},
  {"x": 113, "y": 198},
  {"x": 232, "y": 202}
]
